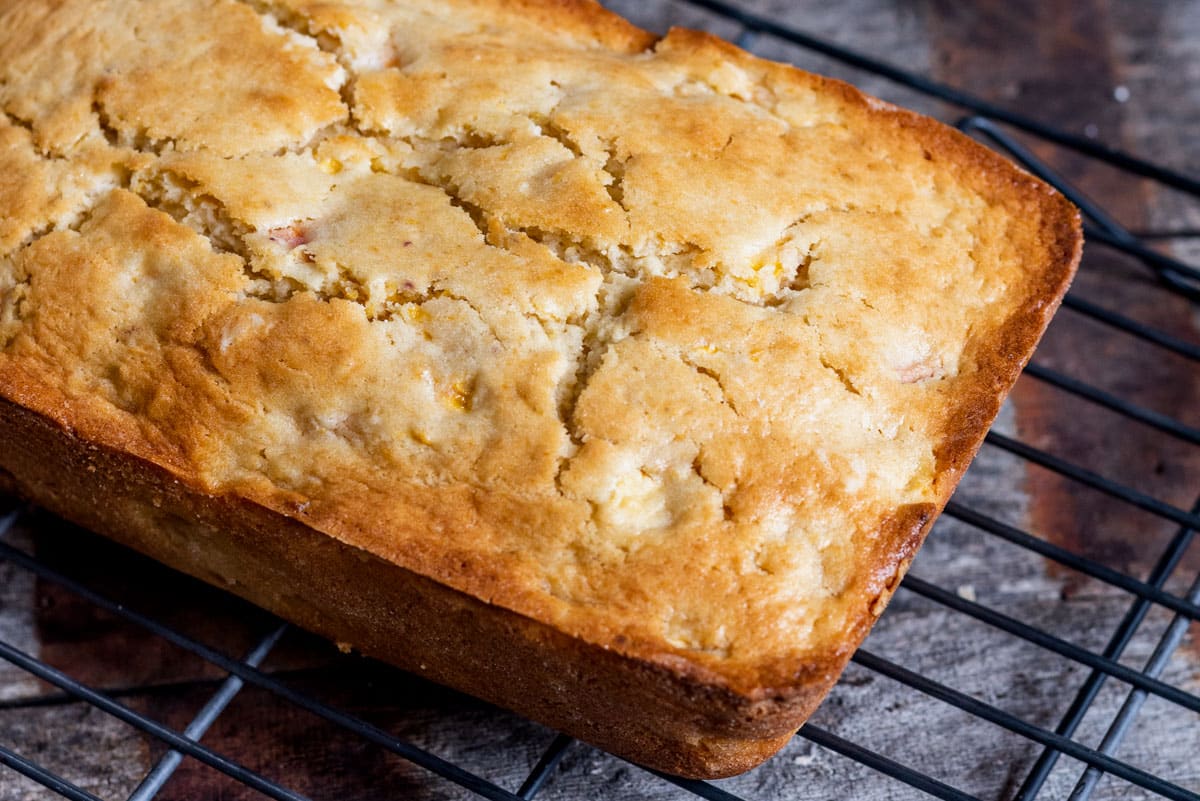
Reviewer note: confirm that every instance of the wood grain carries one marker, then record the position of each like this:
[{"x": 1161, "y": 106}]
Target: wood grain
[{"x": 1059, "y": 62}]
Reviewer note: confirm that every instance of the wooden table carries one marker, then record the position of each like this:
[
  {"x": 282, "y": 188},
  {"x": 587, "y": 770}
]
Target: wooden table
[{"x": 1127, "y": 74}]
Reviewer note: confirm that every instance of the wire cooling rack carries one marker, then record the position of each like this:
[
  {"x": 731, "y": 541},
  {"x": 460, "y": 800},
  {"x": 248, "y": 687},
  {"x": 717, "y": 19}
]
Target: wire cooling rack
[{"x": 1103, "y": 688}]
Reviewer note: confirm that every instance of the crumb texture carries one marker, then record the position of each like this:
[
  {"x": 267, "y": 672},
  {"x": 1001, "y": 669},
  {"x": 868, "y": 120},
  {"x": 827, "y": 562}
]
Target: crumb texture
[{"x": 643, "y": 338}]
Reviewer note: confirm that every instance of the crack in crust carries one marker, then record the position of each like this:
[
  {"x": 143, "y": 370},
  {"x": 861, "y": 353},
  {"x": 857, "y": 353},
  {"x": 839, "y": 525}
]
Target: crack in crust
[
  {"x": 724, "y": 493},
  {"x": 73, "y": 220},
  {"x": 138, "y": 141},
  {"x": 611, "y": 303},
  {"x": 19, "y": 122},
  {"x": 615, "y": 169},
  {"x": 842, "y": 375},
  {"x": 673, "y": 500},
  {"x": 715, "y": 377},
  {"x": 14, "y": 285},
  {"x": 325, "y": 41},
  {"x": 669, "y": 259},
  {"x": 622, "y": 269}
]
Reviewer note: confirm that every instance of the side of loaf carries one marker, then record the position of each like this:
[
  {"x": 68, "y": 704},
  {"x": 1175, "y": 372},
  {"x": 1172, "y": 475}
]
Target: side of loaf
[{"x": 611, "y": 378}]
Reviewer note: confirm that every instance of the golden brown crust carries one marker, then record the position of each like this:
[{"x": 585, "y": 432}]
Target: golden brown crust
[
  {"x": 636, "y": 709},
  {"x": 418, "y": 317}
]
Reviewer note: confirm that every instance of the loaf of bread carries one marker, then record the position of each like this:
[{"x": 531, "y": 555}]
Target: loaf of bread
[{"x": 614, "y": 379}]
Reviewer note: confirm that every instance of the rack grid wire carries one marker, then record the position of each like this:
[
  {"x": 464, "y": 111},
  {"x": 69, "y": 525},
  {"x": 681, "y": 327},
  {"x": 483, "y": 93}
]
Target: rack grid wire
[{"x": 1163, "y": 594}]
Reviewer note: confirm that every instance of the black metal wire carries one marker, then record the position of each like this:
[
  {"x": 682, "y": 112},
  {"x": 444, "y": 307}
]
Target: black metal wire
[
  {"x": 1081, "y": 564},
  {"x": 1178, "y": 277},
  {"x": 160, "y": 732},
  {"x": 1029, "y": 731},
  {"x": 1146, "y": 333},
  {"x": 545, "y": 766},
  {"x": 1184, "y": 278},
  {"x": 1029, "y": 161},
  {"x": 259, "y": 679},
  {"x": 1178, "y": 274},
  {"x": 1090, "y": 478},
  {"x": 913, "y": 778},
  {"x": 161, "y": 773},
  {"x": 1162, "y": 422},
  {"x": 698, "y": 788},
  {"x": 1049, "y": 642},
  {"x": 1170, "y": 558},
  {"x": 949, "y": 94},
  {"x": 50, "y": 699},
  {"x": 1167, "y": 644},
  {"x": 39, "y": 774},
  {"x": 1180, "y": 233}
]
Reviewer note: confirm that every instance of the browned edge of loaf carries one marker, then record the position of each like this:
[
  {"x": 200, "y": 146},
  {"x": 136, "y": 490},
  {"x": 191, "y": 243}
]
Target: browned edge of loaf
[
  {"x": 664, "y": 718},
  {"x": 996, "y": 359},
  {"x": 631, "y": 699}
]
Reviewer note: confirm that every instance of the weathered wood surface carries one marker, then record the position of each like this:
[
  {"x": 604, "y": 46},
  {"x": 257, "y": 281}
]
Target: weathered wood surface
[{"x": 1127, "y": 73}]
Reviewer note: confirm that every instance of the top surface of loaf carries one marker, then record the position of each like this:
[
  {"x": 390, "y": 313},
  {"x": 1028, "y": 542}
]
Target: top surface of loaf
[{"x": 662, "y": 344}]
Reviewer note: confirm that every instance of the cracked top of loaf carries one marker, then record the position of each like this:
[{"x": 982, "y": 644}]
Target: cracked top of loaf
[{"x": 671, "y": 348}]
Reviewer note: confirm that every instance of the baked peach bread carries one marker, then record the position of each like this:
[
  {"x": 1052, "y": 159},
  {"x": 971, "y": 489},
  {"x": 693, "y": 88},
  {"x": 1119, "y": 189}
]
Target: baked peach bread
[{"x": 614, "y": 379}]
